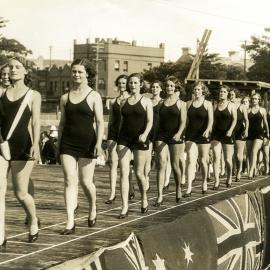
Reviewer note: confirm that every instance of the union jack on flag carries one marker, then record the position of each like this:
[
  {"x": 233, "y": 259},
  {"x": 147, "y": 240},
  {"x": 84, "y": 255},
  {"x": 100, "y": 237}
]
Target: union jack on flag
[{"x": 238, "y": 228}]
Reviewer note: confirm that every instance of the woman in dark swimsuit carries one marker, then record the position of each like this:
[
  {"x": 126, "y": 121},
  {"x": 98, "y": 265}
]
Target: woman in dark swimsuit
[
  {"x": 113, "y": 130},
  {"x": 240, "y": 131},
  {"x": 199, "y": 127},
  {"x": 136, "y": 123},
  {"x": 170, "y": 139},
  {"x": 79, "y": 141},
  {"x": 257, "y": 117},
  {"x": 225, "y": 118},
  {"x": 24, "y": 144}
]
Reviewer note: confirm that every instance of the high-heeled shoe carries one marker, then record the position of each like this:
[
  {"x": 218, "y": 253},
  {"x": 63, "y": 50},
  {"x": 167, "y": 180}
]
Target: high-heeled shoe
[
  {"x": 237, "y": 179},
  {"x": 178, "y": 199},
  {"x": 158, "y": 204},
  {"x": 144, "y": 209},
  {"x": 92, "y": 222},
  {"x": 122, "y": 216},
  {"x": 131, "y": 196},
  {"x": 166, "y": 187},
  {"x": 215, "y": 187},
  {"x": 69, "y": 231},
  {"x": 204, "y": 191},
  {"x": 4, "y": 245},
  {"x": 32, "y": 238},
  {"x": 187, "y": 194},
  {"x": 228, "y": 185},
  {"x": 76, "y": 210},
  {"x": 110, "y": 201}
]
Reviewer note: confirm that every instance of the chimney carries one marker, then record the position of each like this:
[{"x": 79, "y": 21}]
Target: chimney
[
  {"x": 88, "y": 41},
  {"x": 109, "y": 40},
  {"x": 134, "y": 43},
  {"x": 74, "y": 41},
  {"x": 185, "y": 51},
  {"x": 96, "y": 40},
  {"x": 162, "y": 45}
]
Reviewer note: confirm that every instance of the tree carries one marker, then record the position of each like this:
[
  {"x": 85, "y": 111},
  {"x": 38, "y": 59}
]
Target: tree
[
  {"x": 10, "y": 47},
  {"x": 259, "y": 51}
]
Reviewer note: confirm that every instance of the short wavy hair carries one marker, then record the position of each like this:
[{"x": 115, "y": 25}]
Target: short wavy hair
[{"x": 205, "y": 89}]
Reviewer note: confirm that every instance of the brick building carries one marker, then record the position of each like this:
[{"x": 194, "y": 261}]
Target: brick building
[{"x": 116, "y": 57}]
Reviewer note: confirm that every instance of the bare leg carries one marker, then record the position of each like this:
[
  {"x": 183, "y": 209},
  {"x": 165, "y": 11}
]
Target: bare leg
[
  {"x": 204, "y": 161},
  {"x": 3, "y": 186},
  {"x": 70, "y": 167},
  {"x": 239, "y": 147},
  {"x": 86, "y": 174},
  {"x": 228, "y": 150},
  {"x": 216, "y": 146},
  {"x": 168, "y": 171},
  {"x": 124, "y": 155},
  {"x": 113, "y": 167},
  {"x": 255, "y": 147},
  {"x": 21, "y": 171},
  {"x": 148, "y": 164}
]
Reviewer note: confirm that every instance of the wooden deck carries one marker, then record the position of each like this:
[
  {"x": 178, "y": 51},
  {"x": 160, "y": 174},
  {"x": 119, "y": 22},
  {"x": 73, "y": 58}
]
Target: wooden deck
[{"x": 53, "y": 248}]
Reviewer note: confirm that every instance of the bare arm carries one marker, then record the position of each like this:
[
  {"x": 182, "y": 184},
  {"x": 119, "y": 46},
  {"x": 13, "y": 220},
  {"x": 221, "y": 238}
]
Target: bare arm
[
  {"x": 36, "y": 105},
  {"x": 62, "y": 122},
  {"x": 263, "y": 111},
  {"x": 246, "y": 122},
  {"x": 209, "y": 127},
  {"x": 98, "y": 111},
  {"x": 234, "y": 119},
  {"x": 183, "y": 119},
  {"x": 149, "y": 119}
]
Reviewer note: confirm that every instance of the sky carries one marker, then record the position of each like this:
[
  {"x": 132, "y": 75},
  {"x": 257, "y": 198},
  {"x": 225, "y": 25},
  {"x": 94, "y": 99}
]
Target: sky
[{"x": 39, "y": 24}]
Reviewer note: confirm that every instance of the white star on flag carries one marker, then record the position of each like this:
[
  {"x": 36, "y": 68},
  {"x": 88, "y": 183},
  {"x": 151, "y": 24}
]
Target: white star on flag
[
  {"x": 159, "y": 263},
  {"x": 188, "y": 254}
]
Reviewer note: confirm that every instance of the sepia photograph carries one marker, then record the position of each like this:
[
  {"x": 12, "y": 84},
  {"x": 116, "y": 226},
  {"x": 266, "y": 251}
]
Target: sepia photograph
[{"x": 134, "y": 135}]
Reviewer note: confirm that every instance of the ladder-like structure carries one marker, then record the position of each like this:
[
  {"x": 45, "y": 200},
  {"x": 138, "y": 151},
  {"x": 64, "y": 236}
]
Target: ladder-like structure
[{"x": 199, "y": 55}]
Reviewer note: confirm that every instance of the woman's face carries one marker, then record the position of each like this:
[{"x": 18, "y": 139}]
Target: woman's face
[
  {"x": 156, "y": 89},
  {"x": 134, "y": 85},
  {"x": 255, "y": 100},
  {"x": 122, "y": 84},
  {"x": 16, "y": 70},
  {"x": 198, "y": 91},
  {"x": 246, "y": 102},
  {"x": 223, "y": 93},
  {"x": 79, "y": 74},
  {"x": 170, "y": 87},
  {"x": 5, "y": 76},
  {"x": 232, "y": 96}
]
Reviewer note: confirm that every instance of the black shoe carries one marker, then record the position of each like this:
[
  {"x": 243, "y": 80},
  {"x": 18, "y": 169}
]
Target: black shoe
[
  {"x": 92, "y": 222},
  {"x": 215, "y": 187},
  {"x": 69, "y": 231},
  {"x": 204, "y": 191},
  {"x": 178, "y": 199},
  {"x": 76, "y": 210},
  {"x": 4, "y": 245},
  {"x": 229, "y": 185},
  {"x": 131, "y": 196},
  {"x": 110, "y": 201},
  {"x": 158, "y": 204},
  {"x": 186, "y": 195},
  {"x": 122, "y": 216},
  {"x": 32, "y": 238},
  {"x": 166, "y": 187},
  {"x": 182, "y": 185},
  {"x": 237, "y": 179},
  {"x": 144, "y": 210}
]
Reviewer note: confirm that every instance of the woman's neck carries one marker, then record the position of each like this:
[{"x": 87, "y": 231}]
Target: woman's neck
[
  {"x": 156, "y": 97},
  {"x": 18, "y": 84},
  {"x": 123, "y": 94},
  {"x": 136, "y": 95},
  {"x": 199, "y": 99},
  {"x": 80, "y": 86}
]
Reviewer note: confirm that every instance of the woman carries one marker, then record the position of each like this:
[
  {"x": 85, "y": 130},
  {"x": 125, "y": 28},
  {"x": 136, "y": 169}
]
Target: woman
[
  {"x": 113, "y": 130},
  {"x": 136, "y": 123},
  {"x": 170, "y": 139},
  {"x": 24, "y": 144},
  {"x": 257, "y": 117},
  {"x": 156, "y": 88},
  {"x": 225, "y": 118},
  {"x": 199, "y": 127},
  {"x": 79, "y": 142},
  {"x": 240, "y": 131}
]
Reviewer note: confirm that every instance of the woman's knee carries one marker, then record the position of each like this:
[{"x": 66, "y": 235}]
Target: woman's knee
[
  {"x": 71, "y": 180},
  {"x": 21, "y": 195}
]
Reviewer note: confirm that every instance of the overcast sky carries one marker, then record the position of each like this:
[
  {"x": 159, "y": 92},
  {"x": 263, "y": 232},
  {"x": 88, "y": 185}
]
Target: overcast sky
[{"x": 178, "y": 23}]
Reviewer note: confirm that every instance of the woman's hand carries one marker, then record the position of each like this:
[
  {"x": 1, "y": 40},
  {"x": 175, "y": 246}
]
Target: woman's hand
[
  {"x": 229, "y": 133},
  {"x": 34, "y": 152},
  {"x": 98, "y": 151},
  {"x": 177, "y": 137},
  {"x": 142, "y": 138},
  {"x": 206, "y": 133}
]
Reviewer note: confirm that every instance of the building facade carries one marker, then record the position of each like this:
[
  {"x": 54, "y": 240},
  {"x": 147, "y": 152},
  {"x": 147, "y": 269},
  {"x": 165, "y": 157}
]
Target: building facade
[{"x": 113, "y": 58}]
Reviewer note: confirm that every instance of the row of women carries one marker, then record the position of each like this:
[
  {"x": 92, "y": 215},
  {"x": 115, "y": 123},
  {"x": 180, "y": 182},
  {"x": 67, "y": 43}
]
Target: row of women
[{"x": 136, "y": 124}]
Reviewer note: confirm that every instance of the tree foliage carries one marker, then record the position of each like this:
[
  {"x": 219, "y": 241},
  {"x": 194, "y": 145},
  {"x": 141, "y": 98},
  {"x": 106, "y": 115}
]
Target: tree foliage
[{"x": 259, "y": 51}]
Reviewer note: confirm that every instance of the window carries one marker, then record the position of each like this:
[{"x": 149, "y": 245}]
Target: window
[
  {"x": 117, "y": 65},
  {"x": 149, "y": 66},
  {"x": 125, "y": 68}
]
